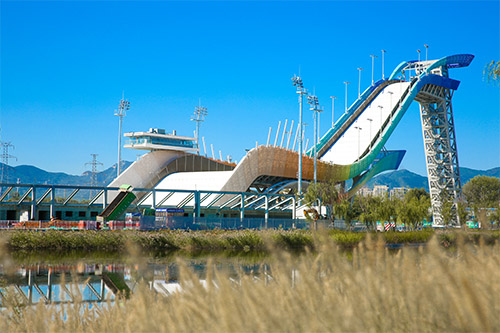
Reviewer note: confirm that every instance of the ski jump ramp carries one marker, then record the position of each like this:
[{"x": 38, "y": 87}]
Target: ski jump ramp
[{"x": 352, "y": 149}]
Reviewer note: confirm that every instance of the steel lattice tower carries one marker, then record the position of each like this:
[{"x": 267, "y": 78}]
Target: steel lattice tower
[
  {"x": 94, "y": 164},
  {"x": 440, "y": 146},
  {"x": 5, "y": 160}
]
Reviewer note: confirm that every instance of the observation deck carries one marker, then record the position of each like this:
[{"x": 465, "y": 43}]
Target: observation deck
[{"x": 157, "y": 139}]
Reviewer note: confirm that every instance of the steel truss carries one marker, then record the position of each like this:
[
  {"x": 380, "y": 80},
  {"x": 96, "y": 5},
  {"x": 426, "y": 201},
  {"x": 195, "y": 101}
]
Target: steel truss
[{"x": 440, "y": 146}]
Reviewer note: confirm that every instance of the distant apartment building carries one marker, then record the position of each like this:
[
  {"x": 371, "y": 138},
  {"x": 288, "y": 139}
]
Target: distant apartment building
[
  {"x": 380, "y": 190},
  {"x": 399, "y": 192},
  {"x": 365, "y": 192}
]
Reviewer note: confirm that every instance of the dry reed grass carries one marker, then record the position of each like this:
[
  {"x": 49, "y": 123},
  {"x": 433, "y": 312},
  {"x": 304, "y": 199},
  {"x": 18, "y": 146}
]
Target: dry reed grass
[{"x": 425, "y": 290}]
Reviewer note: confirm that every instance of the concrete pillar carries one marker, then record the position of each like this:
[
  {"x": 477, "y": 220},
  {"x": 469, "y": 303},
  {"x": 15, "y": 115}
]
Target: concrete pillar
[
  {"x": 197, "y": 204},
  {"x": 33, "y": 203},
  {"x": 104, "y": 198},
  {"x": 267, "y": 210},
  {"x": 52, "y": 201},
  {"x": 242, "y": 210}
]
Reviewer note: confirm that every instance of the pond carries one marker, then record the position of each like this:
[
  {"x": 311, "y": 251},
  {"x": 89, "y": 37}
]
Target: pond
[{"x": 94, "y": 278}]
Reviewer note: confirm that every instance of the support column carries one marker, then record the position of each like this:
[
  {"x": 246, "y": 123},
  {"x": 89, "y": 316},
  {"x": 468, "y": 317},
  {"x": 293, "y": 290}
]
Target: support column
[
  {"x": 197, "y": 204},
  {"x": 52, "y": 201},
  {"x": 267, "y": 210},
  {"x": 242, "y": 210},
  {"x": 33, "y": 203},
  {"x": 441, "y": 156}
]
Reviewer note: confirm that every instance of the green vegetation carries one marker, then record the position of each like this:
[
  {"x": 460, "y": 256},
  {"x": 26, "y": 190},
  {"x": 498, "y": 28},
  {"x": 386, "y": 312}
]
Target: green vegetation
[
  {"x": 216, "y": 241},
  {"x": 481, "y": 194},
  {"x": 492, "y": 71},
  {"x": 369, "y": 290}
]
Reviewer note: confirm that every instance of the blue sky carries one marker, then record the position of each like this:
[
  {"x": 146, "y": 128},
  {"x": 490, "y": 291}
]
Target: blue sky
[{"x": 64, "y": 66}]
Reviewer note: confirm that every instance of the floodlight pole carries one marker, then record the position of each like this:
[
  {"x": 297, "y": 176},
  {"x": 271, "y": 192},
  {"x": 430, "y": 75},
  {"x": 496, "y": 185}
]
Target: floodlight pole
[
  {"x": 346, "y": 83},
  {"x": 426, "y": 49},
  {"x": 373, "y": 64},
  {"x": 418, "y": 51},
  {"x": 381, "y": 121},
  {"x": 359, "y": 140},
  {"x": 370, "y": 120},
  {"x": 297, "y": 82},
  {"x": 199, "y": 116},
  {"x": 383, "y": 76},
  {"x": 333, "y": 109},
  {"x": 121, "y": 112},
  {"x": 359, "y": 81},
  {"x": 313, "y": 102}
]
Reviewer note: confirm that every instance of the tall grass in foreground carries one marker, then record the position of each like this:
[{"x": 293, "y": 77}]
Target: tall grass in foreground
[{"x": 429, "y": 289}]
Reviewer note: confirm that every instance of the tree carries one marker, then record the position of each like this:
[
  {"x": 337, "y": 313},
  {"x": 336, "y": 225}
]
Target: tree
[
  {"x": 414, "y": 207},
  {"x": 462, "y": 212},
  {"x": 348, "y": 209},
  {"x": 327, "y": 192},
  {"x": 482, "y": 192},
  {"x": 386, "y": 209},
  {"x": 492, "y": 71},
  {"x": 495, "y": 216},
  {"x": 369, "y": 206}
]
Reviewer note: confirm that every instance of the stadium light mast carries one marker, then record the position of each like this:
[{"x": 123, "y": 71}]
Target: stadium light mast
[
  {"x": 373, "y": 64},
  {"x": 383, "y": 52},
  {"x": 359, "y": 141},
  {"x": 333, "y": 109},
  {"x": 418, "y": 51},
  {"x": 346, "y": 83},
  {"x": 121, "y": 112},
  {"x": 426, "y": 49},
  {"x": 313, "y": 102},
  {"x": 381, "y": 120},
  {"x": 370, "y": 120},
  {"x": 297, "y": 82},
  {"x": 359, "y": 81},
  {"x": 199, "y": 116}
]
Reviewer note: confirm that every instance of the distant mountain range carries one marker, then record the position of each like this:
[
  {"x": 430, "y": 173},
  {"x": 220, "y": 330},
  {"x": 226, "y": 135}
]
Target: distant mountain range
[
  {"x": 27, "y": 174},
  {"x": 405, "y": 178}
]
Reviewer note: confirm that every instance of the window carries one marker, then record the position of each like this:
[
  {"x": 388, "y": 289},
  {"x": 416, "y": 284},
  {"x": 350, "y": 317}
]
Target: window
[
  {"x": 68, "y": 213},
  {"x": 82, "y": 214}
]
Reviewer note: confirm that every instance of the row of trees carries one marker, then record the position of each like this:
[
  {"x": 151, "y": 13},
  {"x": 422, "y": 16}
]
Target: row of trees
[{"x": 481, "y": 195}]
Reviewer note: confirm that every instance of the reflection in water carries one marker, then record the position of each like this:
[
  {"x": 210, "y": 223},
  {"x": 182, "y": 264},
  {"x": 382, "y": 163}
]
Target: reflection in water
[{"x": 94, "y": 283}]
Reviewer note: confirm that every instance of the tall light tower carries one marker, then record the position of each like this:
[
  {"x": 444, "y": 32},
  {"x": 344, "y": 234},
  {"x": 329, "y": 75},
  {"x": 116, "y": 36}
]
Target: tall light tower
[
  {"x": 381, "y": 120},
  {"x": 418, "y": 51},
  {"x": 199, "y": 116},
  {"x": 359, "y": 81},
  {"x": 297, "y": 82},
  {"x": 333, "y": 109},
  {"x": 426, "y": 49},
  {"x": 313, "y": 102},
  {"x": 373, "y": 64},
  {"x": 359, "y": 140},
  {"x": 346, "y": 83},
  {"x": 383, "y": 52},
  {"x": 370, "y": 120},
  {"x": 121, "y": 112}
]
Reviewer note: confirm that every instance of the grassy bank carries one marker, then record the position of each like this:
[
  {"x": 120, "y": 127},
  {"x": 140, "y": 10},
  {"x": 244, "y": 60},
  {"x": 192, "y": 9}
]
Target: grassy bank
[
  {"x": 430, "y": 290},
  {"x": 221, "y": 240}
]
